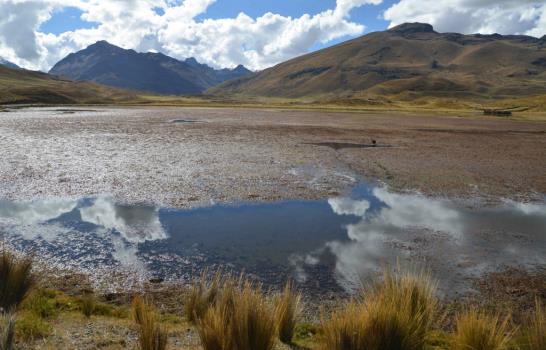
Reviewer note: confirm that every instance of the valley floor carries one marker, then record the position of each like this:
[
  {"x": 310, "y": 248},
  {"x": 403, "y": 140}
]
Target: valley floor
[{"x": 174, "y": 156}]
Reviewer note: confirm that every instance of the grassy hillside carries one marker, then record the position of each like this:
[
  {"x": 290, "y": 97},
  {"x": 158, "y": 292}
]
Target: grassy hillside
[
  {"x": 22, "y": 86},
  {"x": 407, "y": 62}
]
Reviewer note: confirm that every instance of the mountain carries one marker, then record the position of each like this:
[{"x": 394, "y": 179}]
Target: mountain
[
  {"x": 407, "y": 61},
  {"x": 8, "y": 64},
  {"x": 154, "y": 72},
  {"x": 24, "y": 86}
]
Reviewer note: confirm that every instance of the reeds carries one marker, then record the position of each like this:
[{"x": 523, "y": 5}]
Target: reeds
[
  {"x": 536, "y": 330},
  {"x": 481, "y": 331},
  {"x": 287, "y": 310},
  {"x": 152, "y": 336},
  {"x": 396, "y": 314},
  {"x": 16, "y": 280}
]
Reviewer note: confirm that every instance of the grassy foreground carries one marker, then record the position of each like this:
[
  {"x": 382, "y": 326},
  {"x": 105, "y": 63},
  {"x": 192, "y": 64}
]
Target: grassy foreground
[{"x": 221, "y": 312}]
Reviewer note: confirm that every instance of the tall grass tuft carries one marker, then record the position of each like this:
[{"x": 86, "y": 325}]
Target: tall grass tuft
[
  {"x": 202, "y": 295},
  {"x": 16, "y": 280},
  {"x": 89, "y": 304},
  {"x": 287, "y": 311},
  {"x": 151, "y": 335},
  {"x": 396, "y": 314},
  {"x": 7, "y": 331},
  {"x": 242, "y": 318},
  {"x": 253, "y": 319},
  {"x": 536, "y": 331},
  {"x": 478, "y": 330}
]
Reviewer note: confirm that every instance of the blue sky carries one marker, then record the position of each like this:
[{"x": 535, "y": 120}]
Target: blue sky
[{"x": 68, "y": 19}]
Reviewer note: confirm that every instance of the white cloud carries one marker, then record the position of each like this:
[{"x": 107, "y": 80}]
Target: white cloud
[
  {"x": 473, "y": 16},
  {"x": 255, "y": 42}
]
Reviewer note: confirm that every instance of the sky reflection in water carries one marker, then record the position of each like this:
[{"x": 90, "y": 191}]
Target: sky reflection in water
[{"x": 324, "y": 244}]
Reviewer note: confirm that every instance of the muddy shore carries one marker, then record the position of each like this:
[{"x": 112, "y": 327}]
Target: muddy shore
[{"x": 183, "y": 157}]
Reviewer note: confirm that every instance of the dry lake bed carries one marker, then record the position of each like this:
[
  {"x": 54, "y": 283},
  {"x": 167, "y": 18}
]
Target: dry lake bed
[{"x": 325, "y": 198}]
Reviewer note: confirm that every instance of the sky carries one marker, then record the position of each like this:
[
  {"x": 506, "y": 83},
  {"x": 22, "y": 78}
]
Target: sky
[{"x": 35, "y": 34}]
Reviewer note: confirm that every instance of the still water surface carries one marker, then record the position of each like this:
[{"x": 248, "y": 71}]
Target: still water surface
[{"x": 326, "y": 245}]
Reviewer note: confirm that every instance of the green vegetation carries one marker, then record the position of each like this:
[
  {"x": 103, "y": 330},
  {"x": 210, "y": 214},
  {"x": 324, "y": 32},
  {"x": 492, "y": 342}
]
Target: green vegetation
[{"x": 88, "y": 304}]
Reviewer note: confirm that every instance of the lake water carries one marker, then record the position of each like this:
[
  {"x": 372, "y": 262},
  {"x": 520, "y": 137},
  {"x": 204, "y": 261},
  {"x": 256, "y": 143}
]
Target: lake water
[{"x": 327, "y": 245}]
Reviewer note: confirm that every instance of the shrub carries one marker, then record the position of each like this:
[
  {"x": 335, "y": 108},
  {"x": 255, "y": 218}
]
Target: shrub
[
  {"x": 287, "y": 310},
  {"x": 151, "y": 335},
  {"x": 477, "y": 330},
  {"x": 396, "y": 314},
  {"x": 536, "y": 331},
  {"x": 16, "y": 280},
  {"x": 242, "y": 318},
  {"x": 7, "y": 331}
]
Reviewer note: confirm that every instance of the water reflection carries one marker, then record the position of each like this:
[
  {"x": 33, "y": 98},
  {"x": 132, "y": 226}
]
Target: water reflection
[
  {"x": 324, "y": 244},
  {"x": 136, "y": 224}
]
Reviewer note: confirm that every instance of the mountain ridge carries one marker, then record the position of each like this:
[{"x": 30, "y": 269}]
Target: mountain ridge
[
  {"x": 407, "y": 61},
  {"x": 114, "y": 66}
]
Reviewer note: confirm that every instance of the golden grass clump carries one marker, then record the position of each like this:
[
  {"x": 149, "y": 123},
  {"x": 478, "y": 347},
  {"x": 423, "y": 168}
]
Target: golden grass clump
[
  {"x": 152, "y": 336},
  {"x": 396, "y": 314},
  {"x": 536, "y": 331},
  {"x": 480, "y": 331},
  {"x": 16, "y": 280},
  {"x": 7, "y": 331},
  {"x": 202, "y": 295},
  {"x": 287, "y": 311},
  {"x": 242, "y": 318}
]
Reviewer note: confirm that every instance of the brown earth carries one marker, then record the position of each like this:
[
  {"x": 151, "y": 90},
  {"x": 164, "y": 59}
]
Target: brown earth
[{"x": 189, "y": 156}]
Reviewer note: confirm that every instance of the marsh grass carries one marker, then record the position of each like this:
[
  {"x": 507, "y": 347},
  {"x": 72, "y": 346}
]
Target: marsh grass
[
  {"x": 479, "y": 330},
  {"x": 396, "y": 314},
  {"x": 536, "y": 330},
  {"x": 242, "y": 318},
  {"x": 16, "y": 280},
  {"x": 7, "y": 331},
  {"x": 287, "y": 312},
  {"x": 152, "y": 336}
]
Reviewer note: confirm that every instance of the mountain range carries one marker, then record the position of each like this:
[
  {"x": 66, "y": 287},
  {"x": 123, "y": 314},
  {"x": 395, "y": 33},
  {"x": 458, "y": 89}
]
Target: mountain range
[
  {"x": 110, "y": 65},
  {"x": 406, "y": 62}
]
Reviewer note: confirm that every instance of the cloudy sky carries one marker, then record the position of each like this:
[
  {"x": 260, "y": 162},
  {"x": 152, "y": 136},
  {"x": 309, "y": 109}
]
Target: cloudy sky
[{"x": 35, "y": 34}]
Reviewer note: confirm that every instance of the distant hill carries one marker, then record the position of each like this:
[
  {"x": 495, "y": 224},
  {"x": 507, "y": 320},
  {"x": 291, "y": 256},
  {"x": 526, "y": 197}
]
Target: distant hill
[
  {"x": 8, "y": 64},
  {"x": 24, "y": 86},
  {"x": 154, "y": 72},
  {"x": 407, "y": 61}
]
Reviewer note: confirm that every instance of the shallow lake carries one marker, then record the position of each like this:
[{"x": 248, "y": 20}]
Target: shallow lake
[{"x": 328, "y": 245}]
